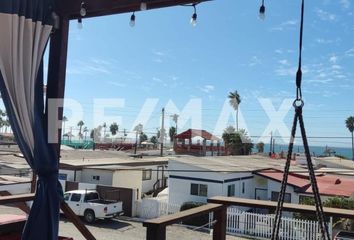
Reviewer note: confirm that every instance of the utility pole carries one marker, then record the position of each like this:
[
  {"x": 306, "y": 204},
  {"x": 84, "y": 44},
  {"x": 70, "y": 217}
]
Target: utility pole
[
  {"x": 273, "y": 145},
  {"x": 162, "y": 131},
  {"x": 271, "y": 142}
]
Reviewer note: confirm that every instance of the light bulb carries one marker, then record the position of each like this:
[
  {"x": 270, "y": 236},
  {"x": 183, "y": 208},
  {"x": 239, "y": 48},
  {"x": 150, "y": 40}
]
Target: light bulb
[
  {"x": 262, "y": 12},
  {"x": 194, "y": 20},
  {"x": 79, "y": 23},
  {"x": 132, "y": 20},
  {"x": 143, "y": 6}
]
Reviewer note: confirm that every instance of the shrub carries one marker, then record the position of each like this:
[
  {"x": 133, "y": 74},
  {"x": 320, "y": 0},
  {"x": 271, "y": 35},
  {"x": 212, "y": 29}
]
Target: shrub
[{"x": 195, "y": 221}]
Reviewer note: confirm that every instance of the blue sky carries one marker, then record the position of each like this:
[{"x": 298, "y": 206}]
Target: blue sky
[{"x": 164, "y": 59}]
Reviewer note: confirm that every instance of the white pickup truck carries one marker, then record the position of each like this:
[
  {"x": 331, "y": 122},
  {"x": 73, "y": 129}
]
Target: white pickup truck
[{"x": 87, "y": 203}]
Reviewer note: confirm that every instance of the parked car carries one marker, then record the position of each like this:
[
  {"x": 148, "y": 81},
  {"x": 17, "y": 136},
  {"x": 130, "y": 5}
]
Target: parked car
[
  {"x": 87, "y": 203},
  {"x": 344, "y": 235}
]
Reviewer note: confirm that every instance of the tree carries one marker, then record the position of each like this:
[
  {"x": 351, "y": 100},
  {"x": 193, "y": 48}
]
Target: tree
[
  {"x": 80, "y": 124},
  {"x": 65, "y": 119},
  {"x": 104, "y": 130},
  {"x": 260, "y": 147},
  {"x": 138, "y": 130},
  {"x": 172, "y": 133},
  {"x": 237, "y": 142},
  {"x": 114, "y": 128},
  {"x": 235, "y": 100},
  {"x": 85, "y": 131},
  {"x": 143, "y": 137},
  {"x": 96, "y": 133},
  {"x": 350, "y": 125},
  {"x": 154, "y": 140}
]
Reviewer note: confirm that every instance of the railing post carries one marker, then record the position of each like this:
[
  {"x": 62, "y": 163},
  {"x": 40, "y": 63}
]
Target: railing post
[
  {"x": 155, "y": 232},
  {"x": 219, "y": 232}
]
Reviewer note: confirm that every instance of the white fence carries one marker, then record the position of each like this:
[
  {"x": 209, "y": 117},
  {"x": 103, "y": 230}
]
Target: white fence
[
  {"x": 260, "y": 226},
  {"x": 148, "y": 208}
]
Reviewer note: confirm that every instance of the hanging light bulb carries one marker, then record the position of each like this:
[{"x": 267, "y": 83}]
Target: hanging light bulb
[
  {"x": 194, "y": 17},
  {"x": 79, "y": 23},
  {"x": 83, "y": 10},
  {"x": 262, "y": 11},
  {"x": 132, "y": 20},
  {"x": 143, "y": 6}
]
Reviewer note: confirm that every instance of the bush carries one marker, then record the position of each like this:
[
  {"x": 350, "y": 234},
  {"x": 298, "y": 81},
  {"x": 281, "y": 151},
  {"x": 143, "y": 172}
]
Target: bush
[{"x": 195, "y": 221}]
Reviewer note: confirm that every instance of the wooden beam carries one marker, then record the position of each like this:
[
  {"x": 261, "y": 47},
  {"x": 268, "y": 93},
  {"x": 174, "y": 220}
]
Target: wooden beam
[
  {"x": 183, "y": 215},
  {"x": 219, "y": 229},
  {"x": 16, "y": 198},
  {"x": 76, "y": 221},
  {"x": 57, "y": 70},
  {"x": 21, "y": 205},
  {"x": 95, "y": 8},
  {"x": 335, "y": 212}
]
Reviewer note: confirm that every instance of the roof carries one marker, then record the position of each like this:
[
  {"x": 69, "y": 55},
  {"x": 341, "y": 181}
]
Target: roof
[
  {"x": 191, "y": 133},
  {"x": 6, "y": 180},
  {"x": 81, "y": 191},
  {"x": 327, "y": 185},
  {"x": 237, "y": 163},
  {"x": 114, "y": 168}
]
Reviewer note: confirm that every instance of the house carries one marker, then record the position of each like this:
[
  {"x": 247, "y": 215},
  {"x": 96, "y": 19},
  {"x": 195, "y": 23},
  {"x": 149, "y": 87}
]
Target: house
[
  {"x": 198, "y": 143},
  {"x": 253, "y": 177},
  {"x": 117, "y": 169}
]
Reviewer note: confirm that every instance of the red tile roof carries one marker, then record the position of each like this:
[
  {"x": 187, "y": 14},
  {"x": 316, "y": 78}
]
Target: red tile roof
[{"x": 327, "y": 185}]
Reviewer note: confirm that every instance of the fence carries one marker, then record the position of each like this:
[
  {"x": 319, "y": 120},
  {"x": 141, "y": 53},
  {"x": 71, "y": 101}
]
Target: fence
[
  {"x": 149, "y": 208},
  {"x": 260, "y": 226}
]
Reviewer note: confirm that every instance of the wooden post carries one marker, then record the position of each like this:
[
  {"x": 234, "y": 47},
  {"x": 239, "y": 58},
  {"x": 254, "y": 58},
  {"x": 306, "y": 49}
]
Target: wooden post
[
  {"x": 155, "y": 232},
  {"x": 55, "y": 90},
  {"x": 219, "y": 232}
]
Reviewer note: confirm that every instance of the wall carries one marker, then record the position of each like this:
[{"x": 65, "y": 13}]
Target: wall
[
  {"x": 275, "y": 186},
  {"x": 71, "y": 174},
  {"x": 105, "y": 176},
  {"x": 16, "y": 188},
  {"x": 128, "y": 179}
]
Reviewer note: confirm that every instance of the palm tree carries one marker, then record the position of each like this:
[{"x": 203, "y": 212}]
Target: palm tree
[
  {"x": 65, "y": 119},
  {"x": 350, "y": 125},
  {"x": 80, "y": 124},
  {"x": 114, "y": 128},
  {"x": 104, "y": 131},
  {"x": 85, "y": 131},
  {"x": 235, "y": 100}
]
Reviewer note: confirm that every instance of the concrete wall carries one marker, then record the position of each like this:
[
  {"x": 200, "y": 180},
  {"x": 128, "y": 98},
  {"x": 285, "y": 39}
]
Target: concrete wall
[{"x": 106, "y": 176}]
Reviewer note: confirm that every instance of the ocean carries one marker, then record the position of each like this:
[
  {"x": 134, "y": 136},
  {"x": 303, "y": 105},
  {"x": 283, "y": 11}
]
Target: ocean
[{"x": 317, "y": 150}]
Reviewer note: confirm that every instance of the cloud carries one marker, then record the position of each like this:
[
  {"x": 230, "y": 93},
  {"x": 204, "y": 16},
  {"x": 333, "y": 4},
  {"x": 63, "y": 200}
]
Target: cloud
[
  {"x": 345, "y": 3},
  {"x": 284, "y": 25},
  {"x": 284, "y": 62},
  {"x": 117, "y": 84},
  {"x": 333, "y": 59},
  {"x": 155, "y": 79},
  {"x": 91, "y": 67},
  {"x": 337, "y": 67},
  {"x": 207, "y": 88},
  {"x": 350, "y": 52},
  {"x": 322, "y": 81},
  {"x": 325, "y": 16},
  {"x": 254, "y": 61}
]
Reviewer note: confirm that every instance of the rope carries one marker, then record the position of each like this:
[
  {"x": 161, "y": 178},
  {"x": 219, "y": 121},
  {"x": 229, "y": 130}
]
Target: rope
[{"x": 298, "y": 105}]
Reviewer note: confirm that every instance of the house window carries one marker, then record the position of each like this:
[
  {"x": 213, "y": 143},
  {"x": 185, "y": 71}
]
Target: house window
[
  {"x": 97, "y": 178},
  {"x": 147, "y": 174},
  {"x": 199, "y": 189},
  {"x": 275, "y": 196},
  {"x": 243, "y": 187},
  {"x": 231, "y": 190},
  {"x": 63, "y": 176}
]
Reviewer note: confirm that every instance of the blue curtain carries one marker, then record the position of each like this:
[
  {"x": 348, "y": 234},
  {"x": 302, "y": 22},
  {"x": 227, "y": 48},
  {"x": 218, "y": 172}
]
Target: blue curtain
[{"x": 25, "y": 27}]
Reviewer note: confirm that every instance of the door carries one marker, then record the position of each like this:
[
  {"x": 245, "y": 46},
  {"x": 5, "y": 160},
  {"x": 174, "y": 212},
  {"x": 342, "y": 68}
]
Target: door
[
  {"x": 160, "y": 172},
  {"x": 75, "y": 203}
]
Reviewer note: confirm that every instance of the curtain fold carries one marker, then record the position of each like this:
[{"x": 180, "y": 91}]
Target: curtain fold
[{"x": 25, "y": 27}]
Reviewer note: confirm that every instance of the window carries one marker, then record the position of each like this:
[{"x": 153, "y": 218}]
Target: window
[
  {"x": 231, "y": 190},
  {"x": 63, "y": 176},
  {"x": 243, "y": 187},
  {"x": 199, "y": 190},
  {"x": 91, "y": 196},
  {"x": 97, "y": 178},
  {"x": 66, "y": 196},
  {"x": 287, "y": 197},
  {"x": 147, "y": 174},
  {"x": 75, "y": 197}
]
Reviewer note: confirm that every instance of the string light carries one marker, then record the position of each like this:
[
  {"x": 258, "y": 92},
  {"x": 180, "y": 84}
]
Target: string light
[
  {"x": 194, "y": 17},
  {"x": 132, "y": 20},
  {"x": 262, "y": 11},
  {"x": 143, "y": 6},
  {"x": 82, "y": 14},
  {"x": 79, "y": 23}
]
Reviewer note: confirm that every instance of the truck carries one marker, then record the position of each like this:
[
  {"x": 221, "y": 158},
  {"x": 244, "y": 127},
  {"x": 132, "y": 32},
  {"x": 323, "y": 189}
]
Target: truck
[{"x": 87, "y": 203}]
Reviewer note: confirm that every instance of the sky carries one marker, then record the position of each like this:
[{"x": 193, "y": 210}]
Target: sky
[{"x": 123, "y": 74}]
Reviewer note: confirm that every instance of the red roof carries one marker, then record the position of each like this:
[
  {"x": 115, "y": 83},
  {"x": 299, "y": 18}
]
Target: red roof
[
  {"x": 191, "y": 133},
  {"x": 327, "y": 185}
]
